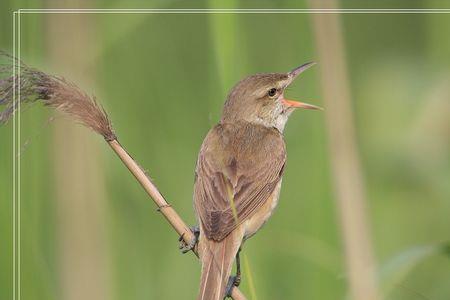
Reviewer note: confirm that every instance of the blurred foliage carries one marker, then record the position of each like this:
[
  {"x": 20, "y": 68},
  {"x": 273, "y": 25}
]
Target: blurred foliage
[{"x": 163, "y": 79}]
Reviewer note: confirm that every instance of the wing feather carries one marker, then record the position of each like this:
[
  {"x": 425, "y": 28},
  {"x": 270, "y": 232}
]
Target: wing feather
[{"x": 238, "y": 168}]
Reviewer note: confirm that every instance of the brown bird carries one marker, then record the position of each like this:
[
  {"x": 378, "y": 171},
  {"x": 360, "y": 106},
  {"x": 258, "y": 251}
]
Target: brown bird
[{"x": 238, "y": 174}]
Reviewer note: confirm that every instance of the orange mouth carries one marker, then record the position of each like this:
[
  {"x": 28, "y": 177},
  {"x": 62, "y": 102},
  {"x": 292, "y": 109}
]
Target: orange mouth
[{"x": 297, "y": 104}]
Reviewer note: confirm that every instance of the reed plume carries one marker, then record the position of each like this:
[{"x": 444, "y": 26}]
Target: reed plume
[{"x": 53, "y": 91}]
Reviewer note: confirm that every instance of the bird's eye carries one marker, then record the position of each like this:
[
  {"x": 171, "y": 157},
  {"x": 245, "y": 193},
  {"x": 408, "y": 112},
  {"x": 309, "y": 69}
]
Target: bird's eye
[{"x": 272, "y": 92}]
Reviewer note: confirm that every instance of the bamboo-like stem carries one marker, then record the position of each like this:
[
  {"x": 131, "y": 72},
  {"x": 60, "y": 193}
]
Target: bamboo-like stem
[
  {"x": 347, "y": 174},
  {"x": 165, "y": 208},
  {"x": 167, "y": 211}
]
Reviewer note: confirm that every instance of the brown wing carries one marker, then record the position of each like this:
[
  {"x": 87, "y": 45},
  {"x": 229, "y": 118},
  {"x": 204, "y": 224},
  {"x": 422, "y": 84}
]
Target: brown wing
[{"x": 238, "y": 168}]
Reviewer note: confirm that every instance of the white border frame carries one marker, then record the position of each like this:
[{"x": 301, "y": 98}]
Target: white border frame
[{"x": 16, "y": 199}]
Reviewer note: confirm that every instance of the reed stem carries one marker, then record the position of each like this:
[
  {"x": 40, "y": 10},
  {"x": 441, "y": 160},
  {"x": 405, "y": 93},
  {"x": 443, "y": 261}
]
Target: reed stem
[{"x": 165, "y": 208}]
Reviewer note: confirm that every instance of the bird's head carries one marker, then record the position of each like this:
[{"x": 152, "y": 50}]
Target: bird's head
[{"x": 260, "y": 99}]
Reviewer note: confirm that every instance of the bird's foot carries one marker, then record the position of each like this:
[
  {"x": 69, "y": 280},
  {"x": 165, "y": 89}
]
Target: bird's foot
[
  {"x": 232, "y": 282},
  {"x": 186, "y": 247}
]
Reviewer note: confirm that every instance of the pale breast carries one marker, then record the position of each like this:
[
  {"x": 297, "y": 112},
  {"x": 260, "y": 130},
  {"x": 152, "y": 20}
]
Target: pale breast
[{"x": 255, "y": 222}]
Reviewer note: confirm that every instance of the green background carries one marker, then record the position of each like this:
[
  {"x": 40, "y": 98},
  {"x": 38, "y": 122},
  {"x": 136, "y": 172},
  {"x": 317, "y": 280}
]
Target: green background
[{"x": 163, "y": 79}]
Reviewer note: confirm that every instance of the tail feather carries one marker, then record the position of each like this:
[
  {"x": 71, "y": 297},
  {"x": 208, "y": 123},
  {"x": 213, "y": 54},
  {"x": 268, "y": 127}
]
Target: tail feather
[{"x": 217, "y": 261}]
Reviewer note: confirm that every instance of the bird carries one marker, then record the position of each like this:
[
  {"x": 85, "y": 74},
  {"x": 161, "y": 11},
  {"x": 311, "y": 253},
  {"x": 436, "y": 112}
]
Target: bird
[{"x": 238, "y": 174}]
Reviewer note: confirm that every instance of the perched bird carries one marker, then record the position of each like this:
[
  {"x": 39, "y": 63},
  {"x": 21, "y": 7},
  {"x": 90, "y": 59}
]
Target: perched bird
[{"x": 238, "y": 174}]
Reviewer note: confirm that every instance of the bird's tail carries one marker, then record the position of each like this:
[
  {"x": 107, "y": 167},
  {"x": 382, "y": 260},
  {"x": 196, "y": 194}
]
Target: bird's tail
[{"x": 217, "y": 261}]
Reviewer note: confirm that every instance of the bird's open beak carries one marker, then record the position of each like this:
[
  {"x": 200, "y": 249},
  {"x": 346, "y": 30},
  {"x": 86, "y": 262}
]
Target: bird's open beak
[
  {"x": 297, "y": 104},
  {"x": 297, "y": 71},
  {"x": 293, "y": 74}
]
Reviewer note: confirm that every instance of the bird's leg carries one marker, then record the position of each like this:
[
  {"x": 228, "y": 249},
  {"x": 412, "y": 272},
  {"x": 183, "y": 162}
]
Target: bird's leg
[
  {"x": 237, "y": 278},
  {"x": 186, "y": 247},
  {"x": 234, "y": 280}
]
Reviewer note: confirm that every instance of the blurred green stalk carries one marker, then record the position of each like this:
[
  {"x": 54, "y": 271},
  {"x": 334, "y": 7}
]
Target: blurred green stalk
[
  {"x": 347, "y": 174},
  {"x": 78, "y": 185}
]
